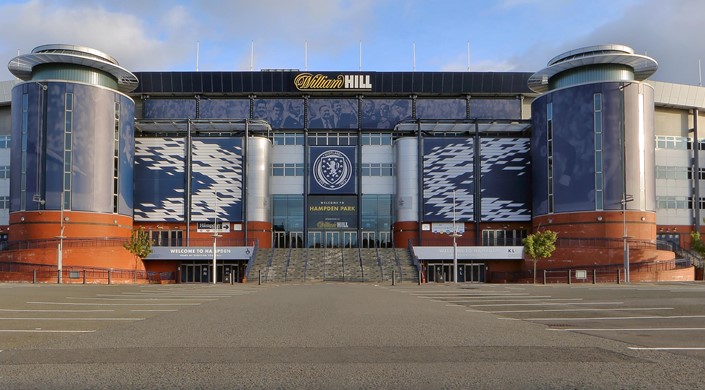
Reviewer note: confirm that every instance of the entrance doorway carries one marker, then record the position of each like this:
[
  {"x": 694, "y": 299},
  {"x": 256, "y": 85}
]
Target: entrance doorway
[
  {"x": 439, "y": 273},
  {"x": 202, "y": 273},
  {"x": 332, "y": 239},
  {"x": 474, "y": 272},
  {"x": 467, "y": 272},
  {"x": 350, "y": 239}
]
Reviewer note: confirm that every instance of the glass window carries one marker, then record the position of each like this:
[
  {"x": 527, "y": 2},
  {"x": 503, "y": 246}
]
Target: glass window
[
  {"x": 5, "y": 141},
  {"x": 287, "y": 169},
  {"x": 288, "y": 212},
  {"x": 377, "y": 139}
]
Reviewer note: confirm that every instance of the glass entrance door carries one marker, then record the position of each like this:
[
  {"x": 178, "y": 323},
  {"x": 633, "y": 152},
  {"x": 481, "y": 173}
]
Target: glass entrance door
[
  {"x": 475, "y": 272},
  {"x": 385, "y": 239},
  {"x": 368, "y": 239},
  {"x": 332, "y": 239},
  {"x": 296, "y": 239},
  {"x": 439, "y": 273},
  {"x": 314, "y": 240},
  {"x": 350, "y": 239},
  {"x": 280, "y": 239}
]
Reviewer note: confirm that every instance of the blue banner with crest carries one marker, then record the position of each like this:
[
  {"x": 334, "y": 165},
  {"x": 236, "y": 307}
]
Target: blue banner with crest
[{"x": 332, "y": 170}]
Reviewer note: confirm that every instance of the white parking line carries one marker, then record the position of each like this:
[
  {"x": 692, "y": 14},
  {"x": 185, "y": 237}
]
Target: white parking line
[
  {"x": 160, "y": 310},
  {"x": 44, "y": 331},
  {"x": 115, "y": 304},
  {"x": 156, "y": 296},
  {"x": 668, "y": 348},
  {"x": 623, "y": 329},
  {"x": 72, "y": 319},
  {"x": 551, "y": 304},
  {"x": 139, "y": 299},
  {"x": 515, "y": 300},
  {"x": 580, "y": 309},
  {"x": 611, "y": 318},
  {"x": 55, "y": 311}
]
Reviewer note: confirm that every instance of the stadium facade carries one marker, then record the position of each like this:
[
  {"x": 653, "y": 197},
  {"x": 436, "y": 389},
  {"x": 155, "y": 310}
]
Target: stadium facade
[{"x": 449, "y": 166}]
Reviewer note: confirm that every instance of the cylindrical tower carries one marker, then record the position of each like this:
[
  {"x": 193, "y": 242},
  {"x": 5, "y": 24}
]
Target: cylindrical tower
[
  {"x": 407, "y": 202},
  {"x": 592, "y": 145},
  {"x": 259, "y": 161},
  {"x": 73, "y": 151}
]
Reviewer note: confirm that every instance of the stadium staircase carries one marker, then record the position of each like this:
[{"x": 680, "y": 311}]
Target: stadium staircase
[{"x": 333, "y": 264}]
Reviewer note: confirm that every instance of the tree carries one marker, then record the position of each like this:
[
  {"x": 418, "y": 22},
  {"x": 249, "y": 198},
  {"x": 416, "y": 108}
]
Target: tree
[
  {"x": 696, "y": 244},
  {"x": 540, "y": 245},
  {"x": 139, "y": 244}
]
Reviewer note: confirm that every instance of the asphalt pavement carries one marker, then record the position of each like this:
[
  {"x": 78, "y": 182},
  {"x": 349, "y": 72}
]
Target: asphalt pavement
[{"x": 352, "y": 335}]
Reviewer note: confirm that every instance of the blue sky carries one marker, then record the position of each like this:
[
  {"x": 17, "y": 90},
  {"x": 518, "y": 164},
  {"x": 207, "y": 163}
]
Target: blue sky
[{"x": 504, "y": 35}]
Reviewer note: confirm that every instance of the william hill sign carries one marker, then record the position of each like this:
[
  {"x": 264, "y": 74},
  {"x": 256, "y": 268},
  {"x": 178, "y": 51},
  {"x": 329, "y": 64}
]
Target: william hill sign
[{"x": 321, "y": 82}]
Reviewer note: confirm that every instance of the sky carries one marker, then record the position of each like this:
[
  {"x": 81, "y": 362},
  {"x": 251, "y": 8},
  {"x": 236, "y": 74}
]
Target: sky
[{"x": 349, "y": 35}]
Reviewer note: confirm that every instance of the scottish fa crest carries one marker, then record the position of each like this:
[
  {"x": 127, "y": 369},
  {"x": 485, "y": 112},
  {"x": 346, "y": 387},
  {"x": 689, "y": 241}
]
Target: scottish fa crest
[{"x": 332, "y": 170}]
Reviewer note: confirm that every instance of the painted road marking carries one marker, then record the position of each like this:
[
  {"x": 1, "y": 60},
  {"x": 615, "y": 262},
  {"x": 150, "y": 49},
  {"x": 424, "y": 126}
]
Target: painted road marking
[
  {"x": 514, "y": 300},
  {"x": 668, "y": 348},
  {"x": 57, "y": 310},
  {"x": 73, "y": 318},
  {"x": 44, "y": 331},
  {"x": 115, "y": 304},
  {"x": 551, "y": 304},
  {"x": 581, "y": 309},
  {"x": 137, "y": 299},
  {"x": 611, "y": 318},
  {"x": 159, "y": 310},
  {"x": 624, "y": 329}
]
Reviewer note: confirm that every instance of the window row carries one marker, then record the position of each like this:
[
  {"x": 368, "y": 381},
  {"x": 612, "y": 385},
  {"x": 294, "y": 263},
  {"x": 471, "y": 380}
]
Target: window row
[
  {"x": 5, "y": 141},
  {"x": 290, "y": 138},
  {"x": 366, "y": 169},
  {"x": 501, "y": 237}
]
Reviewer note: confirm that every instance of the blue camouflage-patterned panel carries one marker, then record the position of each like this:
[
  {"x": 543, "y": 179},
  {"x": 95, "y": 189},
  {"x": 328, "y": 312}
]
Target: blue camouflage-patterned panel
[
  {"x": 506, "y": 179},
  {"x": 159, "y": 179},
  {"x": 216, "y": 184},
  {"x": 448, "y": 166}
]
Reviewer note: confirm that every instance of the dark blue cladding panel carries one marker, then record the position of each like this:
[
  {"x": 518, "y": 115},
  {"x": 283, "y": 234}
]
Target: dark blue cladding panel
[
  {"x": 448, "y": 166},
  {"x": 217, "y": 167},
  {"x": 127, "y": 158},
  {"x": 159, "y": 179},
  {"x": 505, "y": 181},
  {"x": 612, "y": 147},
  {"x": 56, "y": 123},
  {"x": 539, "y": 167},
  {"x": 574, "y": 149}
]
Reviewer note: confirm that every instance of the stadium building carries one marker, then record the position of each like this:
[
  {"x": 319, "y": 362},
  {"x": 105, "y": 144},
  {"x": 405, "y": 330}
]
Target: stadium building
[{"x": 305, "y": 175}]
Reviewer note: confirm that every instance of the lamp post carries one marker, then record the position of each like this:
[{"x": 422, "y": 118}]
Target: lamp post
[
  {"x": 625, "y": 199},
  {"x": 215, "y": 238},
  {"x": 60, "y": 248},
  {"x": 455, "y": 235}
]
